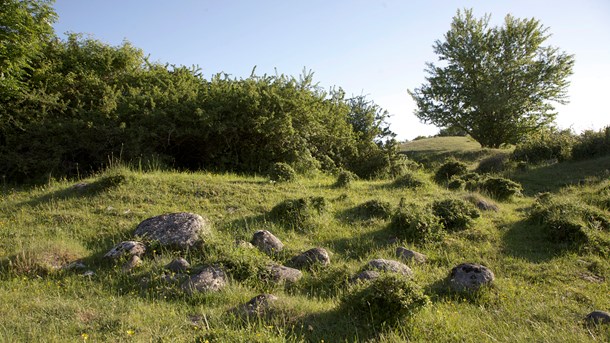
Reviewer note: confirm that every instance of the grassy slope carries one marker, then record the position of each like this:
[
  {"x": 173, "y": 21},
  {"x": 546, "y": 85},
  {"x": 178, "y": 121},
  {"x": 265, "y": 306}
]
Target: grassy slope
[{"x": 540, "y": 293}]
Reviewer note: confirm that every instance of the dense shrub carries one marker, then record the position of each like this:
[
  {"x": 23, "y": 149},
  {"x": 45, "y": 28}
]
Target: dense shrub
[
  {"x": 299, "y": 214},
  {"x": 500, "y": 188},
  {"x": 345, "y": 179},
  {"x": 455, "y": 214},
  {"x": 592, "y": 144},
  {"x": 449, "y": 170},
  {"x": 493, "y": 164},
  {"x": 386, "y": 300},
  {"x": 282, "y": 172},
  {"x": 374, "y": 209},
  {"x": 416, "y": 223},
  {"x": 545, "y": 145},
  {"x": 456, "y": 184},
  {"x": 408, "y": 180}
]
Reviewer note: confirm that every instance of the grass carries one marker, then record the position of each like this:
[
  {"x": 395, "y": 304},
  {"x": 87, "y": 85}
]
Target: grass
[{"x": 542, "y": 290}]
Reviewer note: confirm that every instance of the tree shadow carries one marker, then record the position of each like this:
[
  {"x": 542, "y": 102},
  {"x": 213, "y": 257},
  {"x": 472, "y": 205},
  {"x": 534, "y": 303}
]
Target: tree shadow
[
  {"x": 363, "y": 244},
  {"x": 527, "y": 241}
]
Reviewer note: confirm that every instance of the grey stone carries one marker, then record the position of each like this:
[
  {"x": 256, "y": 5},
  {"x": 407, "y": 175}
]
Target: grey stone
[
  {"x": 240, "y": 243},
  {"x": 210, "y": 279},
  {"x": 75, "y": 265},
  {"x": 366, "y": 276},
  {"x": 257, "y": 306},
  {"x": 280, "y": 273},
  {"x": 390, "y": 266},
  {"x": 126, "y": 248},
  {"x": 178, "y": 265},
  {"x": 470, "y": 276},
  {"x": 310, "y": 257},
  {"x": 133, "y": 262},
  {"x": 486, "y": 205},
  {"x": 410, "y": 255},
  {"x": 266, "y": 242},
  {"x": 598, "y": 317},
  {"x": 182, "y": 230}
]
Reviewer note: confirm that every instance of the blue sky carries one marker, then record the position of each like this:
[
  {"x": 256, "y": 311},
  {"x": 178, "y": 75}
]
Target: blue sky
[{"x": 375, "y": 48}]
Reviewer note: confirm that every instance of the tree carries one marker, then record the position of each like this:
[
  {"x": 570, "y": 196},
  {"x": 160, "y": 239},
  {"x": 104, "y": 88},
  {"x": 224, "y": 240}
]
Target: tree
[{"x": 495, "y": 83}]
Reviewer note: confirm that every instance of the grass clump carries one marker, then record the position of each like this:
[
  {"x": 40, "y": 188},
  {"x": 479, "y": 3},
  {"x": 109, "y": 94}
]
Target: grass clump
[
  {"x": 500, "y": 188},
  {"x": 374, "y": 209},
  {"x": 299, "y": 214},
  {"x": 493, "y": 164},
  {"x": 384, "y": 301},
  {"x": 345, "y": 179},
  {"x": 282, "y": 172},
  {"x": 416, "y": 223},
  {"x": 408, "y": 180},
  {"x": 455, "y": 214},
  {"x": 450, "y": 169}
]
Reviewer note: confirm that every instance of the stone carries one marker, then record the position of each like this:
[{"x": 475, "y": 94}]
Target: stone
[
  {"x": 240, "y": 243},
  {"x": 210, "y": 279},
  {"x": 311, "y": 257},
  {"x": 280, "y": 273},
  {"x": 126, "y": 248},
  {"x": 484, "y": 205},
  {"x": 133, "y": 262},
  {"x": 410, "y": 255},
  {"x": 366, "y": 276},
  {"x": 390, "y": 266},
  {"x": 470, "y": 276},
  {"x": 182, "y": 230},
  {"x": 266, "y": 242},
  {"x": 257, "y": 306},
  {"x": 75, "y": 265},
  {"x": 178, "y": 265},
  {"x": 80, "y": 186},
  {"x": 598, "y": 317}
]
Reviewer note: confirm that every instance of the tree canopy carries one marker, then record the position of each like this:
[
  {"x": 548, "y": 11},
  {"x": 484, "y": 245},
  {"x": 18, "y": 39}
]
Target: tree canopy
[{"x": 495, "y": 83}]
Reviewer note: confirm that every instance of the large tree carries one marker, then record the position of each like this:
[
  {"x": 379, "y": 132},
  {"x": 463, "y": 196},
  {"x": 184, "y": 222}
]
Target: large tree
[{"x": 495, "y": 83}]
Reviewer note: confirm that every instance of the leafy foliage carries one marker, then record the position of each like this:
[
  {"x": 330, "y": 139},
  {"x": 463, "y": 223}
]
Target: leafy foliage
[
  {"x": 592, "y": 144},
  {"x": 500, "y": 188},
  {"x": 496, "y": 83},
  {"x": 455, "y": 214},
  {"x": 450, "y": 169},
  {"x": 416, "y": 223},
  {"x": 545, "y": 145},
  {"x": 282, "y": 172},
  {"x": 345, "y": 178},
  {"x": 299, "y": 214}
]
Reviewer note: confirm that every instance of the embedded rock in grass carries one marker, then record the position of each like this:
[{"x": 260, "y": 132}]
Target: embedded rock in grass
[
  {"x": 182, "y": 230},
  {"x": 470, "y": 276},
  {"x": 598, "y": 317},
  {"x": 210, "y": 279},
  {"x": 410, "y": 255},
  {"x": 178, "y": 265},
  {"x": 366, "y": 276},
  {"x": 390, "y": 266},
  {"x": 266, "y": 242},
  {"x": 133, "y": 262},
  {"x": 257, "y": 306},
  {"x": 482, "y": 204},
  {"x": 127, "y": 248},
  {"x": 311, "y": 257},
  {"x": 280, "y": 273},
  {"x": 240, "y": 243}
]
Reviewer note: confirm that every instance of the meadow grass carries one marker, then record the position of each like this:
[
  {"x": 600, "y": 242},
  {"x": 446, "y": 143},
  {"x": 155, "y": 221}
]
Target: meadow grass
[{"x": 542, "y": 290}]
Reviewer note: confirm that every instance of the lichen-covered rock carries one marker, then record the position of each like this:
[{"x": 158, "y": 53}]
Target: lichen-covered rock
[
  {"x": 178, "y": 265},
  {"x": 266, "y": 242},
  {"x": 470, "y": 277},
  {"x": 127, "y": 248},
  {"x": 280, "y": 273},
  {"x": 410, "y": 255},
  {"x": 390, "y": 266},
  {"x": 210, "y": 279},
  {"x": 240, "y": 243},
  {"x": 257, "y": 306},
  {"x": 182, "y": 230},
  {"x": 133, "y": 262},
  {"x": 598, "y": 317},
  {"x": 366, "y": 276},
  {"x": 311, "y": 257}
]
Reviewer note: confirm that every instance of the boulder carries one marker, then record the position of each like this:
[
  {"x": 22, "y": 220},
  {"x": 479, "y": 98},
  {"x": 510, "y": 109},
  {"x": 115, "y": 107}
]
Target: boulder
[
  {"x": 470, "y": 276},
  {"x": 182, "y": 230},
  {"x": 178, "y": 265},
  {"x": 257, "y": 306},
  {"x": 410, "y": 255},
  {"x": 280, "y": 273},
  {"x": 266, "y": 242},
  {"x": 390, "y": 266},
  {"x": 310, "y": 257},
  {"x": 210, "y": 279},
  {"x": 133, "y": 262},
  {"x": 126, "y": 248},
  {"x": 366, "y": 276},
  {"x": 598, "y": 317},
  {"x": 240, "y": 243}
]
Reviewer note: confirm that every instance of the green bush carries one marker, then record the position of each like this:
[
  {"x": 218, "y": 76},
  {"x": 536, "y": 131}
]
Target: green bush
[
  {"x": 384, "y": 301},
  {"x": 500, "y": 188},
  {"x": 545, "y": 145},
  {"x": 592, "y": 144},
  {"x": 282, "y": 172},
  {"x": 456, "y": 184},
  {"x": 449, "y": 170},
  {"x": 416, "y": 223},
  {"x": 345, "y": 179},
  {"x": 493, "y": 164},
  {"x": 299, "y": 214},
  {"x": 408, "y": 180},
  {"x": 455, "y": 214},
  {"x": 374, "y": 209},
  {"x": 561, "y": 221}
]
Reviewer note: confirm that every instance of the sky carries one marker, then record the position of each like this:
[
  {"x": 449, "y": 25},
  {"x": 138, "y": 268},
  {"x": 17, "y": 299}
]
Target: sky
[{"x": 376, "y": 48}]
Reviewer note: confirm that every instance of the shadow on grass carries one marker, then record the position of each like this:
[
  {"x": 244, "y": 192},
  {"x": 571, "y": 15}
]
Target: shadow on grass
[
  {"x": 362, "y": 245},
  {"x": 527, "y": 241}
]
